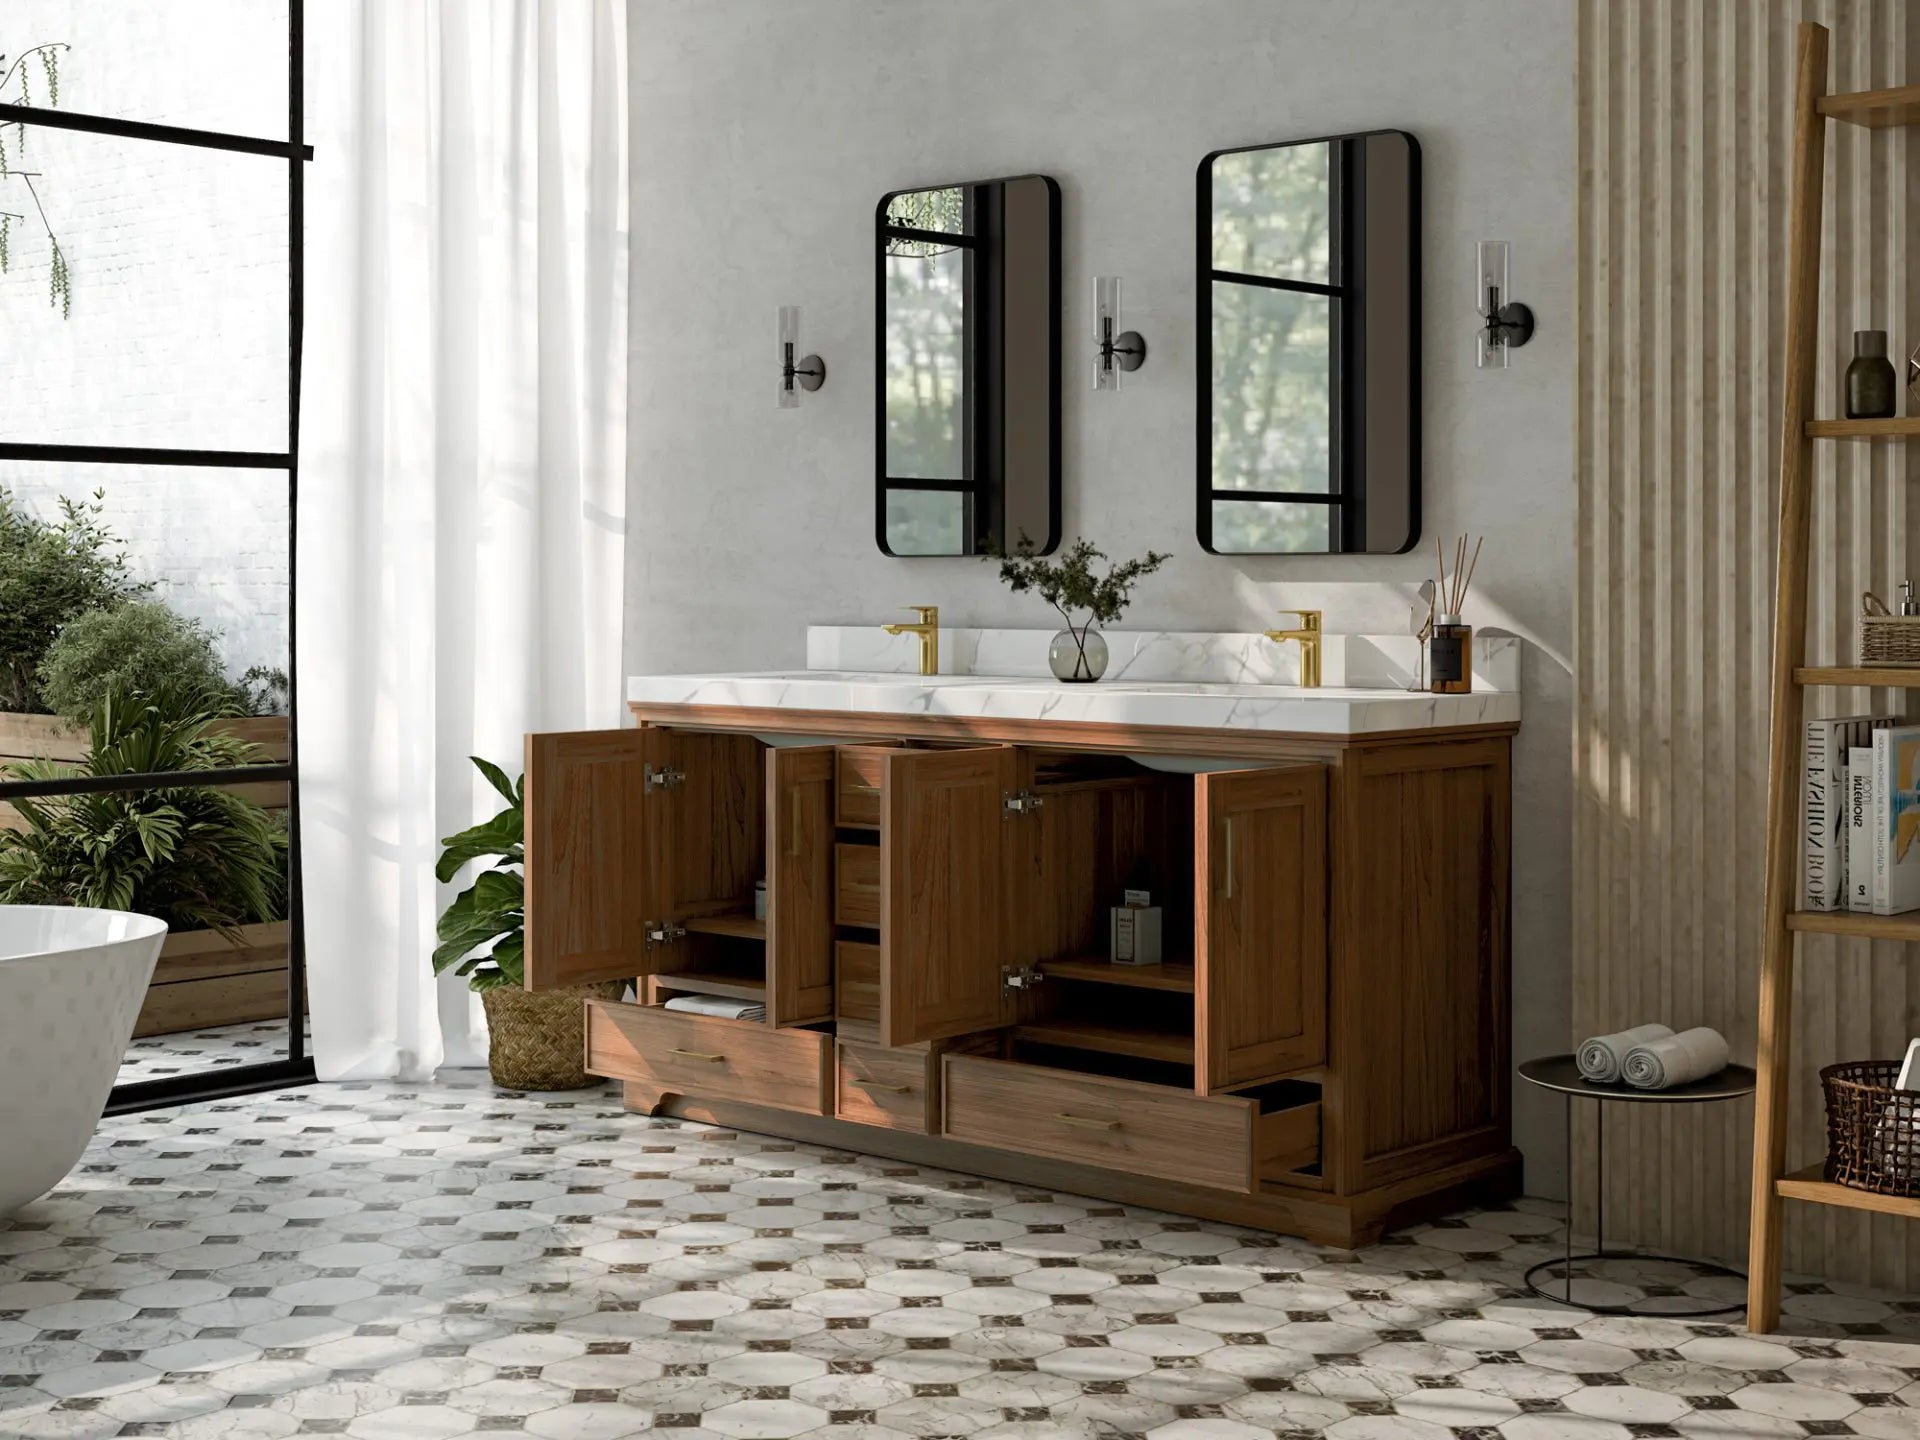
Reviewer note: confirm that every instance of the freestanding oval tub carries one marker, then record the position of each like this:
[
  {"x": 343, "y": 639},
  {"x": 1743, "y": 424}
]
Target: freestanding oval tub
[{"x": 71, "y": 983}]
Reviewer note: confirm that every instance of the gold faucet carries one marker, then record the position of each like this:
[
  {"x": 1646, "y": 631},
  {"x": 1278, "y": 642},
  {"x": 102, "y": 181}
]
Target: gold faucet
[
  {"x": 1309, "y": 637},
  {"x": 928, "y": 629}
]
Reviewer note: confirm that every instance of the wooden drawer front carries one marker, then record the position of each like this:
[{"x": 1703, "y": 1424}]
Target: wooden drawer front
[
  {"x": 856, "y": 791},
  {"x": 877, "y": 1086},
  {"x": 856, "y": 974},
  {"x": 698, "y": 1055},
  {"x": 856, "y": 871},
  {"x": 1287, "y": 1140},
  {"x": 1117, "y": 1124}
]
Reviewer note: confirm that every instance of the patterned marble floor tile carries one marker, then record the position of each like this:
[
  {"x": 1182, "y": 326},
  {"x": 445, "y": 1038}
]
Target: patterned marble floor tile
[
  {"x": 194, "y": 1052},
  {"x": 452, "y": 1262}
]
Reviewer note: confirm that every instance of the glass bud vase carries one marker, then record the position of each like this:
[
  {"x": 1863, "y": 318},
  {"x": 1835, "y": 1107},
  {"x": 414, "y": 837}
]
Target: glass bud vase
[{"x": 1078, "y": 655}]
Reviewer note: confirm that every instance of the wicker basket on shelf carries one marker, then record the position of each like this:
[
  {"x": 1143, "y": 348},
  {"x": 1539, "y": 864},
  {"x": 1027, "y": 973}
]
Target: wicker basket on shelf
[
  {"x": 1886, "y": 638},
  {"x": 1873, "y": 1130}
]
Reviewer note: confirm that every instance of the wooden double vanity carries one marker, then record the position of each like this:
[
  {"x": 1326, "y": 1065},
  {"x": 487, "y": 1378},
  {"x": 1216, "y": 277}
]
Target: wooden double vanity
[{"x": 1322, "y": 1052}]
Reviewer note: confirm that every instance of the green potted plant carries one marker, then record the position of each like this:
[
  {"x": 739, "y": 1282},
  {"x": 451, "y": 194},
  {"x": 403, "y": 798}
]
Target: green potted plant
[
  {"x": 536, "y": 1039},
  {"x": 1079, "y": 652}
]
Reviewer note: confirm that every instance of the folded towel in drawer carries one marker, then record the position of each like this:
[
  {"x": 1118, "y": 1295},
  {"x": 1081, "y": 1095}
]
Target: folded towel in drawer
[
  {"x": 1676, "y": 1059},
  {"x": 717, "y": 1005},
  {"x": 1601, "y": 1057}
]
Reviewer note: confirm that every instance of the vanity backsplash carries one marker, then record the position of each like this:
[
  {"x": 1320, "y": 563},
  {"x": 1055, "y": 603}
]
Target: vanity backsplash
[{"x": 1385, "y": 662}]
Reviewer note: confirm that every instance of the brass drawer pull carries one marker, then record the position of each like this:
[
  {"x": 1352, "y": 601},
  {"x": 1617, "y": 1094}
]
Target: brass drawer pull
[
  {"x": 1085, "y": 1122},
  {"x": 860, "y": 788},
  {"x": 877, "y": 1085},
  {"x": 697, "y": 1055},
  {"x": 862, "y": 886}
]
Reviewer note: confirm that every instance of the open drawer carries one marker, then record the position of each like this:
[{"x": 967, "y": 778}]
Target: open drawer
[
  {"x": 709, "y": 1058},
  {"x": 1222, "y": 1141}
]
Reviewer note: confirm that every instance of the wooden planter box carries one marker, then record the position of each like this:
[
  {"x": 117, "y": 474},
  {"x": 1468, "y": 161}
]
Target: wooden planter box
[
  {"x": 48, "y": 737},
  {"x": 202, "y": 980}
]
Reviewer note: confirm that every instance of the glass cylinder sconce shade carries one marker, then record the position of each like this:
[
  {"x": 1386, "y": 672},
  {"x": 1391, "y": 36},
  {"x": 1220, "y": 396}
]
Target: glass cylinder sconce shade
[
  {"x": 1115, "y": 350},
  {"x": 1504, "y": 323},
  {"x": 808, "y": 372}
]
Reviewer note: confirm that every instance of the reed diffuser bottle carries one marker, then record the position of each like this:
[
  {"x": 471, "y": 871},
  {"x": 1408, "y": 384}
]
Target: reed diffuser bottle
[{"x": 1450, "y": 651}]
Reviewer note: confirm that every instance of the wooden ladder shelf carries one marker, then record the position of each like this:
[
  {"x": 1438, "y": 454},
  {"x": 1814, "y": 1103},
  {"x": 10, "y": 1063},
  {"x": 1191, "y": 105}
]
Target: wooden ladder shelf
[{"x": 1773, "y": 1186}]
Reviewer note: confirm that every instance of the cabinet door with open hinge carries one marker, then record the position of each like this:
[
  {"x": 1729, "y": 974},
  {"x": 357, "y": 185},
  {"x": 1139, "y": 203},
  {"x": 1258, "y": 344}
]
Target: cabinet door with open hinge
[
  {"x": 1260, "y": 925},
  {"x": 632, "y": 836},
  {"x": 800, "y": 798},
  {"x": 944, "y": 903}
]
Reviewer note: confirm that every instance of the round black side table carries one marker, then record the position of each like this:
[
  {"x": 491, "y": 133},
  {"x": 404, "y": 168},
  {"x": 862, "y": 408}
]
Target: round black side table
[{"x": 1561, "y": 1073}]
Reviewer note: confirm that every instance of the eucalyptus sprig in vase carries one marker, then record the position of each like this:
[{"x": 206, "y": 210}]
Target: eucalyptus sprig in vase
[{"x": 1067, "y": 582}]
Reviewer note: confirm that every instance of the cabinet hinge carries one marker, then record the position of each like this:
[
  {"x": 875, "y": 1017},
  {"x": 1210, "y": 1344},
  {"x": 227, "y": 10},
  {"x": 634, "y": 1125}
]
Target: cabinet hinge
[
  {"x": 663, "y": 932},
  {"x": 1019, "y": 977},
  {"x": 664, "y": 778},
  {"x": 1018, "y": 802}
]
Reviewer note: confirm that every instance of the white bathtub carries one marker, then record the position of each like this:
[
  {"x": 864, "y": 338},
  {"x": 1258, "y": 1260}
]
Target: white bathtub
[{"x": 71, "y": 983}]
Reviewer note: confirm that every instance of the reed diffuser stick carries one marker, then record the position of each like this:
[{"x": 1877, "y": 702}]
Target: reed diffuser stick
[
  {"x": 1467, "y": 584},
  {"x": 1459, "y": 564},
  {"x": 1441, "y": 556}
]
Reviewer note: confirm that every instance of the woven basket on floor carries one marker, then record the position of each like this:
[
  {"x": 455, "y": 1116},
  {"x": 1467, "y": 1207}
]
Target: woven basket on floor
[
  {"x": 1873, "y": 1130},
  {"x": 1886, "y": 638},
  {"x": 539, "y": 1038}
]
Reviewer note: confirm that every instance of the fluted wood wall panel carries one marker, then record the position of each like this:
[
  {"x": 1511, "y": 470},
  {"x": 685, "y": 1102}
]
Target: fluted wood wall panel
[{"x": 1684, "y": 120}]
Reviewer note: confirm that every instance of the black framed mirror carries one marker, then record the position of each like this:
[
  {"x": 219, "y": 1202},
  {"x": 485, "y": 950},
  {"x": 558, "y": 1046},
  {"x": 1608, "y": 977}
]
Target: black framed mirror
[
  {"x": 967, "y": 348},
  {"x": 1309, "y": 346}
]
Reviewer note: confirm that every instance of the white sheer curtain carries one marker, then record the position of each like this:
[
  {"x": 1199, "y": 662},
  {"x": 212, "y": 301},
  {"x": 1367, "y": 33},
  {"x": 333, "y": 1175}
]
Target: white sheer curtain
[{"x": 462, "y": 465}]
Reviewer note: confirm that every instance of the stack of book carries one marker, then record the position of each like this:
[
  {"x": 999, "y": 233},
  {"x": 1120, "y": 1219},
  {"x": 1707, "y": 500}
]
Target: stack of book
[{"x": 1861, "y": 812}]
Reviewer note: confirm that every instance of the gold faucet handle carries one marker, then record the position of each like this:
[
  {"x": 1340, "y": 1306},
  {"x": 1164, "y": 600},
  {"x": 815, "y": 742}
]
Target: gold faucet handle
[
  {"x": 929, "y": 614},
  {"x": 1309, "y": 619}
]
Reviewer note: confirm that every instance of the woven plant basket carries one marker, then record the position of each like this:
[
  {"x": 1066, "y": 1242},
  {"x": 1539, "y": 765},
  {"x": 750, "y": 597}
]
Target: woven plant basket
[
  {"x": 539, "y": 1038},
  {"x": 1886, "y": 638},
  {"x": 1873, "y": 1130}
]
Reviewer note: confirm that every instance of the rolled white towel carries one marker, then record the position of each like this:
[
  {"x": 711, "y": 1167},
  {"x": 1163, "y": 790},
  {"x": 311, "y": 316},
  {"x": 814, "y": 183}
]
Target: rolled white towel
[
  {"x": 1601, "y": 1057},
  {"x": 1676, "y": 1060},
  {"x": 717, "y": 1005}
]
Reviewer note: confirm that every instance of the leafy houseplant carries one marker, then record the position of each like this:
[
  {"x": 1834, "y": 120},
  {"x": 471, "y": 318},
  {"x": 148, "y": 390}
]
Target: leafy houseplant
[
  {"x": 198, "y": 858},
  {"x": 536, "y": 1039},
  {"x": 1069, "y": 585}
]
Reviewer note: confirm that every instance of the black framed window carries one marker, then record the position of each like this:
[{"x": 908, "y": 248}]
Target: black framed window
[{"x": 262, "y": 453}]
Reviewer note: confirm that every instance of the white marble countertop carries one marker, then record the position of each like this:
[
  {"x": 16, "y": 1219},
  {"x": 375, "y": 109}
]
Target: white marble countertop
[{"x": 1163, "y": 700}]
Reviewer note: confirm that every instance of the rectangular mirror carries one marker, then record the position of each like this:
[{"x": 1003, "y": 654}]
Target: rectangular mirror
[
  {"x": 968, "y": 366},
  {"x": 1309, "y": 347}
]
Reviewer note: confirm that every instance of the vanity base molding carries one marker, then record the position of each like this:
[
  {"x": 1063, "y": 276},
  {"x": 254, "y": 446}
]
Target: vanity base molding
[{"x": 1348, "y": 1222}]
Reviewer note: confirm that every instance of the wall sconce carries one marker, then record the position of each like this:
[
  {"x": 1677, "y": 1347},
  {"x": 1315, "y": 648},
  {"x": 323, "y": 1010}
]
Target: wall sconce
[
  {"x": 1504, "y": 324},
  {"x": 1114, "y": 349},
  {"x": 809, "y": 373}
]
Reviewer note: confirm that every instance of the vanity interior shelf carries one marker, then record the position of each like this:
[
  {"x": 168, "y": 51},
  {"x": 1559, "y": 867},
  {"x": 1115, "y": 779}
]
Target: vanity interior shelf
[
  {"x": 1138, "y": 977},
  {"x": 738, "y": 927},
  {"x": 933, "y": 969}
]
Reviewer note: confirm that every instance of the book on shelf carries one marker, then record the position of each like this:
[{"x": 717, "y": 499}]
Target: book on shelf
[
  {"x": 1896, "y": 819},
  {"x": 1827, "y": 746},
  {"x": 1858, "y": 867}
]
